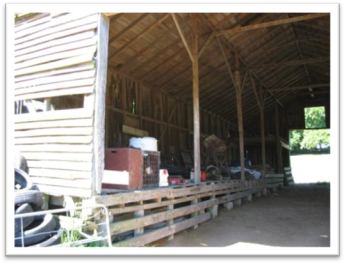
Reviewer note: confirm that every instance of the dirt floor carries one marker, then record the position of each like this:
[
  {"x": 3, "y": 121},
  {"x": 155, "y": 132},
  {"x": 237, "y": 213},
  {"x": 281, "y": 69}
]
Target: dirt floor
[{"x": 296, "y": 216}]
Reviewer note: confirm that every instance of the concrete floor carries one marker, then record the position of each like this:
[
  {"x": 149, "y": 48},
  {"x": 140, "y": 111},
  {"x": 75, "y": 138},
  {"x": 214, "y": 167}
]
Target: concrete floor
[{"x": 296, "y": 216}]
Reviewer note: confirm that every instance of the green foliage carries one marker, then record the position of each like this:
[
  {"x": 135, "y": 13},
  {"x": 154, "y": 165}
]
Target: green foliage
[
  {"x": 69, "y": 236},
  {"x": 311, "y": 140},
  {"x": 296, "y": 137},
  {"x": 315, "y": 117}
]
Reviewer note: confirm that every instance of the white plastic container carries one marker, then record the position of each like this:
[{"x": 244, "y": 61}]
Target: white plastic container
[
  {"x": 145, "y": 143},
  {"x": 163, "y": 177}
]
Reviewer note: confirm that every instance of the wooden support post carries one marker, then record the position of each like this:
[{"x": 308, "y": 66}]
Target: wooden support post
[
  {"x": 100, "y": 104},
  {"x": 279, "y": 166},
  {"x": 260, "y": 98},
  {"x": 214, "y": 209},
  {"x": 139, "y": 214},
  {"x": 196, "y": 121},
  {"x": 239, "y": 91},
  {"x": 263, "y": 145},
  {"x": 203, "y": 210},
  {"x": 140, "y": 104},
  {"x": 194, "y": 214},
  {"x": 171, "y": 221}
]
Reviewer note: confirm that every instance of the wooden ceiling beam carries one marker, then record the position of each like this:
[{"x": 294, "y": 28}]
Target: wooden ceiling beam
[
  {"x": 232, "y": 48},
  {"x": 181, "y": 33},
  {"x": 151, "y": 45},
  {"x": 249, "y": 102},
  {"x": 137, "y": 37},
  {"x": 317, "y": 85},
  {"x": 206, "y": 44},
  {"x": 288, "y": 63},
  {"x": 132, "y": 24},
  {"x": 183, "y": 90},
  {"x": 270, "y": 24},
  {"x": 185, "y": 70}
]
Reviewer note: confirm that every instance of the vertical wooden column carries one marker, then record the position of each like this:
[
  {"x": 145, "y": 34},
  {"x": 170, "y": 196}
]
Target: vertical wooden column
[
  {"x": 195, "y": 93},
  {"x": 278, "y": 141},
  {"x": 261, "y": 98},
  {"x": 139, "y": 214},
  {"x": 239, "y": 91},
  {"x": 140, "y": 104},
  {"x": 263, "y": 144},
  {"x": 100, "y": 104},
  {"x": 171, "y": 221}
]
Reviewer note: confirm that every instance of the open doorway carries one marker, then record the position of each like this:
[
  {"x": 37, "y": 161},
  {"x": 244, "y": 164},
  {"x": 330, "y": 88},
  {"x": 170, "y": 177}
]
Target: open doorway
[{"x": 310, "y": 148}]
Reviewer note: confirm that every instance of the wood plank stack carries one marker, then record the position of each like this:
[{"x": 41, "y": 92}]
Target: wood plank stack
[{"x": 145, "y": 216}]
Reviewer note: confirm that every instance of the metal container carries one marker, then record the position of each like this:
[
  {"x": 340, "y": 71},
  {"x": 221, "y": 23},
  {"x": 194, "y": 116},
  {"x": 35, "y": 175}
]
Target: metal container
[{"x": 151, "y": 169}]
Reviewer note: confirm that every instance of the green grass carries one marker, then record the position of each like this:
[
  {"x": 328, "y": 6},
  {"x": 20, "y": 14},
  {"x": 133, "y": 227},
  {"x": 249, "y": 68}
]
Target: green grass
[{"x": 73, "y": 236}]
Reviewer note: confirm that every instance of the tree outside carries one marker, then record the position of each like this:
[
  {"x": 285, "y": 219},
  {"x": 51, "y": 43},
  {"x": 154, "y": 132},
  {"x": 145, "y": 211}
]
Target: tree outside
[{"x": 311, "y": 140}]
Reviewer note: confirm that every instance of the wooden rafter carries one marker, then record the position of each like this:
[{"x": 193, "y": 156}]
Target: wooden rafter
[
  {"x": 150, "y": 46},
  {"x": 288, "y": 63},
  {"x": 303, "y": 87},
  {"x": 131, "y": 25},
  {"x": 301, "y": 55},
  {"x": 232, "y": 48},
  {"x": 226, "y": 60},
  {"x": 206, "y": 43},
  {"x": 149, "y": 28},
  {"x": 270, "y": 24},
  {"x": 181, "y": 33}
]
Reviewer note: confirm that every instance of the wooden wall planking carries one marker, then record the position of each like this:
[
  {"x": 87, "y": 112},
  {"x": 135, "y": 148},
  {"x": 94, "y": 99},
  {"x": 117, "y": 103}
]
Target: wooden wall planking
[
  {"x": 161, "y": 116},
  {"x": 62, "y": 56}
]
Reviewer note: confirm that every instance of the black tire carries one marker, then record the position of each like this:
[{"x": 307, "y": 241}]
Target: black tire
[
  {"x": 23, "y": 209},
  {"x": 41, "y": 230},
  {"x": 22, "y": 180},
  {"x": 20, "y": 163},
  {"x": 54, "y": 240},
  {"x": 30, "y": 196}
]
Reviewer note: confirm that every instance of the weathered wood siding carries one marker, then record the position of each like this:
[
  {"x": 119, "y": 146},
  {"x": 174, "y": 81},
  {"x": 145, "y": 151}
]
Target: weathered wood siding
[{"x": 56, "y": 59}]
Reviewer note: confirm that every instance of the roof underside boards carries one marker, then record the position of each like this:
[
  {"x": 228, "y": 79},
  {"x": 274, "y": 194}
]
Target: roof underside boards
[{"x": 287, "y": 59}]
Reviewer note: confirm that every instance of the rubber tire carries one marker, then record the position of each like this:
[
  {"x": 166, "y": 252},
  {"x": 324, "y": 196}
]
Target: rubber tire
[
  {"x": 29, "y": 196},
  {"x": 34, "y": 236},
  {"x": 23, "y": 209},
  {"x": 22, "y": 178},
  {"x": 20, "y": 163},
  {"x": 54, "y": 240}
]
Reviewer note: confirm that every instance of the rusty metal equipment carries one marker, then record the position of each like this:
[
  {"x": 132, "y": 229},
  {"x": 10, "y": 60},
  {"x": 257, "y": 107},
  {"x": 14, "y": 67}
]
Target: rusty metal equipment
[{"x": 216, "y": 150}]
